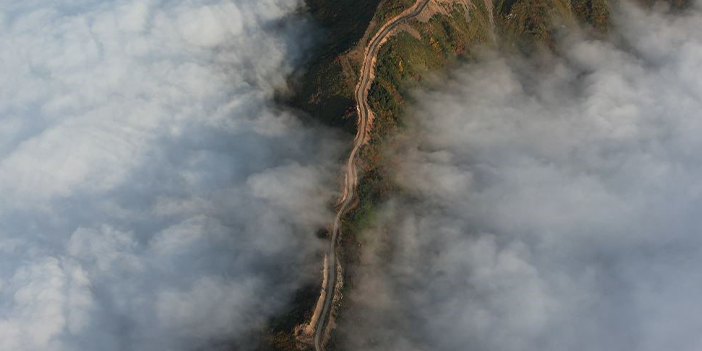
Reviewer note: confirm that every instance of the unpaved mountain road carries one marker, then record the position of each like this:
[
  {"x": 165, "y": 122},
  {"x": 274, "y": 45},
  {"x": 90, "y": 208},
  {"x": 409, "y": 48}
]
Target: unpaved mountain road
[{"x": 351, "y": 176}]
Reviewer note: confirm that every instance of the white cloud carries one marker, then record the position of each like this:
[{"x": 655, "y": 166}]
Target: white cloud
[
  {"x": 551, "y": 209},
  {"x": 153, "y": 198}
]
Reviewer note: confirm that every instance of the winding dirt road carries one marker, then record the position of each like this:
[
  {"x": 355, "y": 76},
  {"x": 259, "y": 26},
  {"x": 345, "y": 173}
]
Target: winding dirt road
[{"x": 351, "y": 176}]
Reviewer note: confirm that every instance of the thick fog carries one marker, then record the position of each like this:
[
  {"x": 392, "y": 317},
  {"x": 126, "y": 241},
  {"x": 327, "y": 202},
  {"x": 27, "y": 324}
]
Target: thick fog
[
  {"x": 152, "y": 196},
  {"x": 549, "y": 205}
]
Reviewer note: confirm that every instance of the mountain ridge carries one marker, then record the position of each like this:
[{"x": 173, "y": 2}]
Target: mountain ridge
[{"x": 454, "y": 34}]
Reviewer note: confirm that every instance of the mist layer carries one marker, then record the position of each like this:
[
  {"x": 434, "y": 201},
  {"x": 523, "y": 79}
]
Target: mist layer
[
  {"x": 548, "y": 206},
  {"x": 153, "y": 198}
]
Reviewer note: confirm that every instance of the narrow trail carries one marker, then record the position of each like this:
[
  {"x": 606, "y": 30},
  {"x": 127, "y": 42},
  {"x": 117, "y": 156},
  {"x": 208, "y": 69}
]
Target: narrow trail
[{"x": 351, "y": 176}]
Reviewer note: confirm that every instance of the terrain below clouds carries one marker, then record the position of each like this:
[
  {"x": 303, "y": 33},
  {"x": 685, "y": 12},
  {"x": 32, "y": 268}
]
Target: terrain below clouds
[
  {"x": 154, "y": 197},
  {"x": 547, "y": 209}
]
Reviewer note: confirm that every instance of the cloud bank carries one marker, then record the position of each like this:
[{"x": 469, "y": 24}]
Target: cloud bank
[
  {"x": 152, "y": 196},
  {"x": 554, "y": 210}
]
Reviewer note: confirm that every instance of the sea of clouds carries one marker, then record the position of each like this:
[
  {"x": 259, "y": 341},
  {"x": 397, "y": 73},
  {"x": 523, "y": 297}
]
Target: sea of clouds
[
  {"x": 151, "y": 195},
  {"x": 554, "y": 205}
]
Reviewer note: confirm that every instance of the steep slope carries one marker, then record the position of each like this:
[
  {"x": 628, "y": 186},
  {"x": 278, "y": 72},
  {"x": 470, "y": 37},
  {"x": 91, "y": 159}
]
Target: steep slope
[{"x": 451, "y": 32}]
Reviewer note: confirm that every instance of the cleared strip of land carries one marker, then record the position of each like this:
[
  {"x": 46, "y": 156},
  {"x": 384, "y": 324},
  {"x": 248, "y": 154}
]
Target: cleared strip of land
[{"x": 365, "y": 118}]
